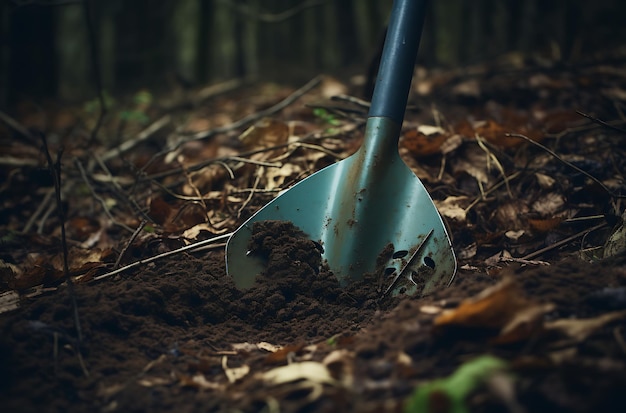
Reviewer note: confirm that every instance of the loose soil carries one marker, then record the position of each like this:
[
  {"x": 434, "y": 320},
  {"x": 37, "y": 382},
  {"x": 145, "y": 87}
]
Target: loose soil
[{"x": 147, "y": 334}]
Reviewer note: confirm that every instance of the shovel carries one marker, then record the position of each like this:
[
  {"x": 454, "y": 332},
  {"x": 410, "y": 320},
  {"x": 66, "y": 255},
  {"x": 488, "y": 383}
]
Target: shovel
[{"x": 359, "y": 206}]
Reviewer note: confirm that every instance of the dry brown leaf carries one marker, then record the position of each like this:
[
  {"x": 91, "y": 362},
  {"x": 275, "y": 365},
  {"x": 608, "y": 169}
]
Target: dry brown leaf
[
  {"x": 275, "y": 177},
  {"x": 549, "y": 204},
  {"x": 503, "y": 307},
  {"x": 453, "y": 207},
  {"x": 524, "y": 324},
  {"x": 282, "y": 354},
  {"x": 509, "y": 215},
  {"x": 9, "y": 301},
  {"x": 265, "y": 133},
  {"x": 264, "y": 345},
  {"x": 544, "y": 225},
  {"x": 424, "y": 141}
]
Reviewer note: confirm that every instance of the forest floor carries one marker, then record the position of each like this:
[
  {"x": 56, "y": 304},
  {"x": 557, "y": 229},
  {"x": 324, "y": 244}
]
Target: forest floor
[{"x": 534, "y": 320}]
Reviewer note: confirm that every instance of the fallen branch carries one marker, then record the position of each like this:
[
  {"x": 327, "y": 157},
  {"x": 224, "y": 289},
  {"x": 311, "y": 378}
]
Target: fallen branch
[
  {"x": 601, "y": 122},
  {"x": 189, "y": 247},
  {"x": 142, "y": 136},
  {"x": 562, "y": 242},
  {"x": 130, "y": 241},
  {"x": 571, "y": 165},
  {"x": 250, "y": 118},
  {"x": 55, "y": 171},
  {"x": 102, "y": 202}
]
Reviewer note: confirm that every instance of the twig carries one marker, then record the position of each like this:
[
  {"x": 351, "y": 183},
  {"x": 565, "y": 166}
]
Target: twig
[
  {"x": 55, "y": 170},
  {"x": 562, "y": 242},
  {"x": 119, "y": 189},
  {"x": 102, "y": 202},
  {"x": 251, "y": 194},
  {"x": 42, "y": 206},
  {"x": 142, "y": 136},
  {"x": 495, "y": 160},
  {"x": 351, "y": 99},
  {"x": 16, "y": 126},
  {"x": 601, "y": 122},
  {"x": 130, "y": 241},
  {"x": 95, "y": 69},
  {"x": 250, "y": 118},
  {"x": 571, "y": 165},
  {"x": 44, "y": 218},
  {"x": 490, "y": 190},
  {"x": 189, "y": 247},
  {"x": 13, "y": 161}
]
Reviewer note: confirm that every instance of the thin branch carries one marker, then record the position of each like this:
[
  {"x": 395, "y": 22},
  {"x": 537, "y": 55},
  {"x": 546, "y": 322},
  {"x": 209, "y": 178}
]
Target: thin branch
[
  {"x": 601, "y": 122},
  {"x": 571, "y": 165},
  {"x": 55, "y": 170},
  {"x": 130, "y": 241},
  {"x": 313, "y": 83},
  {"x": 142, "y": 136},
  {"x": 562, "y": 242},
  {"x": 189, "y": 247},
  {"x": 119, "y": 189},
  {"x": 42, "y": 206},
  {"x": 102, "y": 202}
]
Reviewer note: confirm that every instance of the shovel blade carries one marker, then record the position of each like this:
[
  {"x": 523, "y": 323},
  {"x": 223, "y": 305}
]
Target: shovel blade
[{"x": 355, "y": 209}]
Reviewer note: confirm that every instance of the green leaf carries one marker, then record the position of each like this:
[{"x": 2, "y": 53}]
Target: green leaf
[{"x": 448, "y": 394}]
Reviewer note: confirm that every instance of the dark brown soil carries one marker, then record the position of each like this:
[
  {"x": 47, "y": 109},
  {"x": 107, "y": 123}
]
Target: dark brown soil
[{"x": 147, "y": 334}]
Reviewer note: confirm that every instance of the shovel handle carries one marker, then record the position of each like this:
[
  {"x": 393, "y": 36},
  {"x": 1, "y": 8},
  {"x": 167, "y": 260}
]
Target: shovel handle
[{"x": 398, "y": 60}]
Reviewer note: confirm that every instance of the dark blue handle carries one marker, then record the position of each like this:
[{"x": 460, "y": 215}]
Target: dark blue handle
[{"x": 398, "y": 59}]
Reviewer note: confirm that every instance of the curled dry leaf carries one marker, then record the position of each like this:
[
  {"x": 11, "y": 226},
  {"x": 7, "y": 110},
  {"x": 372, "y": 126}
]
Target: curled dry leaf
[
  {"x": 307, "y": 370},
  {"x": 502, "y": 307},
  {"x": 453, "y": 207},
  {"x": 234, "y": 373}
]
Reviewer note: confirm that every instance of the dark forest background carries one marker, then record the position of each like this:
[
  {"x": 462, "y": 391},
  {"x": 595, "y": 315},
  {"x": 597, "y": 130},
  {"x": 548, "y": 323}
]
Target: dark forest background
[{"x": 159, "y": 44}]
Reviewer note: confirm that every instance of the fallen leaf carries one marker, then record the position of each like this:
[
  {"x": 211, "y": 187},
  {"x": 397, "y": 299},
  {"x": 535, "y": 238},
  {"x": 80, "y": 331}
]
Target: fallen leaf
[
  {"x": 549, "y": 204},
  {"x": 453, "y": 207},
  {"x": 264, "y": 345},
  {"x": 234, "y": 373},
  {"x": 154, "y": 381},
  {"x": 580, "y": 329},
  {"x": 502, "y": 307},
  {"x": 198, "y": 381},
  {"x": 448, "y": 394},
  {"x": 616, "y": 243},
  {"x": 424, "y": 141},
  {"x": 280, "y": 355},
  {"x": 545, "y": 225},
  {"x": 9, "y": 301},
  {"x": 266, "y": 133},
  {"x": 545, "y": 181},
  {"x": 524, "y": 324},
  {"x": 307, "y": 370},
  {"x": 340, "y": 363}
]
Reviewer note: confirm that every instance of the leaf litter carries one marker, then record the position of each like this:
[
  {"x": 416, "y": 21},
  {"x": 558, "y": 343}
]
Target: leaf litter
[{"x": 538, "y": 232}]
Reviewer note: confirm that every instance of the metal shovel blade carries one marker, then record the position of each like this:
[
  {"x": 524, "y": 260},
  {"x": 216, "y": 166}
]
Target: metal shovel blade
[{"x": 358, "y": 206}]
